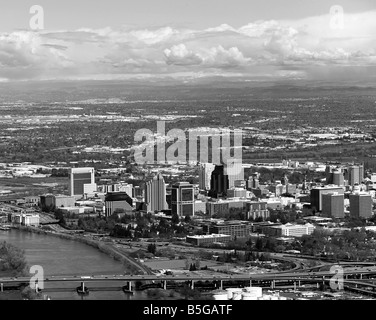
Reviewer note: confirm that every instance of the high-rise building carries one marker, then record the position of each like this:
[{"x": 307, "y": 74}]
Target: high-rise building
[
  {"x": 329, "y": 174},
  {"x": 360, "y": 205},
  {"x": 155, "y": 194},
  {"x": 316, "y": 195},
  {"x": 138, "y": 193},
  {"x": 219, "y": 182},
  {"x": 82, "y": 181},
  {"x": 234, "y": 171},
  {"x": 126, "y": 187},
  {"x": 355, "y": 174},
  {"x": 253, "y": 181},
  {"x": 182, "y": 199},
  {"x": 205, "y": 171},
  {"x": 333, "y": 205},
  {"x": 338, "y": 178}
]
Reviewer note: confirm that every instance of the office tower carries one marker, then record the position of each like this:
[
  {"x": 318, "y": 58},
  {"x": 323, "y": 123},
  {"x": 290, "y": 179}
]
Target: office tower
[
  {"x": 316, "y": 195},
  {"x": 82, "y": 181},
  {"x": 138, "y": 193},
  {"x": 329, "y": 174},
  {"x": 155, "y": 194},
  {"x": 361, "y": 173},
  {"x": 234, "y": 171},
  {"x": 360, "y": 205},
  {"x": 117, "y": 201},
  {"x": 126, "y": 187},
  {"x": 219, "y": 182},
  {"x": 205, "y": 171},
  {"x": 182, "y": 199},
  {"x": 253, "y": 181},
  {"x": 333, "y": 205},
  {"x": 338, "y": 178},
  {"x": 356, "y": 174}
]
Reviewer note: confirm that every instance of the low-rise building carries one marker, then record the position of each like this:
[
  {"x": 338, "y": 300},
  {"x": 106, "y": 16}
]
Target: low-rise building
[
  {"x": 289, "y": 230},
  {"x": 208, "y": 239},
  {"x": 234, "y": 228},
  {"x": 26, "y": 219}
]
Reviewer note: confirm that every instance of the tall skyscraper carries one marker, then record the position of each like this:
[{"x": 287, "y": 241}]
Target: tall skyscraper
[
  {"x": 333, "y": 205},
  {"x": 219, "y": 182},
  {"x": 355, "y": 174},
  {"x": 155, "y": 194},
  {"x": 82, "y": 181},
  {"x": 360, "y": 205},
  {"x": 205, "y": 171},
  {"x": 182, "y": 199},
  {"x": 338, "y": 178}
]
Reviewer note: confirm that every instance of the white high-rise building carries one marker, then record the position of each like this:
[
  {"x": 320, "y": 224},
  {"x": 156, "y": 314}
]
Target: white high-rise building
[
  {"x": 82, "y": 181},
  {"x": 155, "y": 194},
  {"x": 234, "y": 171},
  {"x": 205, "y": 171}
]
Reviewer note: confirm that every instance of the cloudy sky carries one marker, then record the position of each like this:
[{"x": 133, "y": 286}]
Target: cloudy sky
[{"x": 121, "y": 39}]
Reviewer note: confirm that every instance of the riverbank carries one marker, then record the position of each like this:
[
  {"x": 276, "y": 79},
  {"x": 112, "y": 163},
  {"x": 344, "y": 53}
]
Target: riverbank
[{"x": 131, "y": 265}]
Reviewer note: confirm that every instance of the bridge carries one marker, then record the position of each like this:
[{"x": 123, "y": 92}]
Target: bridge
[{"x": 366, "y": 273}]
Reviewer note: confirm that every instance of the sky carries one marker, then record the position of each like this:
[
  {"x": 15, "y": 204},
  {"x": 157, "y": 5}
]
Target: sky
[{"x": 123, "y": 39}]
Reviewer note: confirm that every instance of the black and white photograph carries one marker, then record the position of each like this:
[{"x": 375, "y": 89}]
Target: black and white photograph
[{"x": 199, "y": 152}]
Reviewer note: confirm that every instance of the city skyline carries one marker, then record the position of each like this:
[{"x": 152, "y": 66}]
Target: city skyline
[{"x": 259, "y": 182}]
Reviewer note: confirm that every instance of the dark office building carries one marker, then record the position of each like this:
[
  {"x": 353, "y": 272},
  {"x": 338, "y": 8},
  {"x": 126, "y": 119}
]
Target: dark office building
[
  {"x": 219, "y": 182},
  {"x": 316, "y": 195},
  {"x": 182, "y": 199},
  {"x": 360, "y": 205},
  {"x": 333, "y": 205}
]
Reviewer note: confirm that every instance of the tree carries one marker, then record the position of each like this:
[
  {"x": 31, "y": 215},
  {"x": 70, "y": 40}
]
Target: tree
[
  {"x": 152, "y": 248},
  {"x": 30, "y": 294},
  {"x": 192, "y": 267},
  {"x": 259, "y": 244},
  {"x": 249, "y": 243},
  {"x": 12, "y": 259},
  {"x": 175, "y": 218}
]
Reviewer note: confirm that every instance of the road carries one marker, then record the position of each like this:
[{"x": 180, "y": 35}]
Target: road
[{"x": 369, "y": 270}]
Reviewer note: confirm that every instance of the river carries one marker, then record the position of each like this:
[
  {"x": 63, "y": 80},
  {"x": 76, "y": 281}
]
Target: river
[{"x": 68, "y": 257}]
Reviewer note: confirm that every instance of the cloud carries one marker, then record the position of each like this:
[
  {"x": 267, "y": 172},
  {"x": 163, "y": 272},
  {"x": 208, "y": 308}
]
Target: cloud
[
  {"x": 180, "y": 55},
  {"x": 23, "y": 55},
  {"x": 289, "y": 48}
]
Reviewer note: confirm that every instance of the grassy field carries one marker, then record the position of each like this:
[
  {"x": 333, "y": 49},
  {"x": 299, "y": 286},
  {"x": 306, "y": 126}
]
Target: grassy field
[
  {"x": 179, "y": 264},
  {"x": 25, "y": 186}
]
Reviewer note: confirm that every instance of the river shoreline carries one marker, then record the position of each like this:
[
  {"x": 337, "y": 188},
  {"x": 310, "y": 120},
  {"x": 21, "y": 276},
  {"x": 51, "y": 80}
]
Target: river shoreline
[{"x": 131, "y": 266}]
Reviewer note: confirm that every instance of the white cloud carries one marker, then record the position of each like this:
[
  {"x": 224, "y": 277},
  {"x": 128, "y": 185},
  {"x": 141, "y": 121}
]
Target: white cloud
[
  {"x": 270, "y": 47},
  {"x": 180, "y": 55}
]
